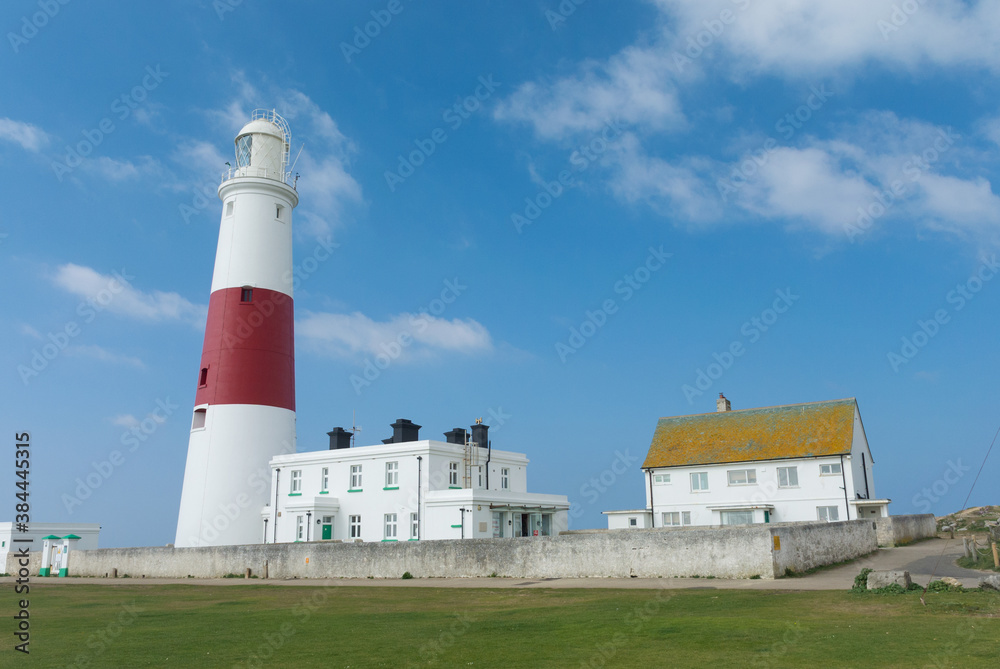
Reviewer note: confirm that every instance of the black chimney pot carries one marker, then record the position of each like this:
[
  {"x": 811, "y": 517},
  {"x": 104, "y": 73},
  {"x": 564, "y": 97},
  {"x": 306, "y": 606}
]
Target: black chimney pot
[
  {"x": 403, "y": 430},
  {"x": 339, "y": 438},
  {"x": 480, "y": 435},
  {"x": 456, "y": 436}
]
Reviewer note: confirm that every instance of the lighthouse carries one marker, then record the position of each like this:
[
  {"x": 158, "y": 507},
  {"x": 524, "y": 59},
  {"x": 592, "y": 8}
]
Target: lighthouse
[{"x": 244, "y": 411}]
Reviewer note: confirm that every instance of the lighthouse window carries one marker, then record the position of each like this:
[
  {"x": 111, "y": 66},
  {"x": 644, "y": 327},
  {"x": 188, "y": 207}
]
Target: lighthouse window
[
  {"x": 203, "y": 379},
  {"x": 278, "y": 209},
  {"x": 229, "y": 208},
  {"x": 246, "y": 295},
  {"x": 243, "y": 145},
  {"x": 199, "y": 419}
]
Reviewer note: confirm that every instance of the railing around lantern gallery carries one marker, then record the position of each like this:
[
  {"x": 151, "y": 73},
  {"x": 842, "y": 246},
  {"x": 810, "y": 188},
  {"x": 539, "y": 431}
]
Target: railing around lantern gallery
[{"x": 259, "y": 172}]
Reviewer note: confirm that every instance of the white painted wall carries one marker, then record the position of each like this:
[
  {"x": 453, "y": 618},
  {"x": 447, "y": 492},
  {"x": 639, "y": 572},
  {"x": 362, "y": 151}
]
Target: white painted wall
[
  {"x": 440, "y": 497},
  {"x": 790, "y": 504},
  {"x": 227, "y": 471},
  {"x": 636, "y": 519},
  {"x": 860, "y": 473},
  {"x": 255, "y": 246}
]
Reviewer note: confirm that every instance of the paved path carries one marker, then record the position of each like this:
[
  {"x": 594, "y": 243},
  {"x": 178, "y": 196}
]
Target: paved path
[{"x": 936, "y": 556}]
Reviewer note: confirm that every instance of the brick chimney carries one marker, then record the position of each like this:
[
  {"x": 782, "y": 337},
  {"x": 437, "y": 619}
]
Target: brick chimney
[{"x": 722, "y": 404}]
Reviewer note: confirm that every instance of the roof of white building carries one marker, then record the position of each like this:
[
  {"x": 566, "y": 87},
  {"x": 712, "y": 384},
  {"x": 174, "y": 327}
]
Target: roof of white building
[{"x": 770, "y": 433}]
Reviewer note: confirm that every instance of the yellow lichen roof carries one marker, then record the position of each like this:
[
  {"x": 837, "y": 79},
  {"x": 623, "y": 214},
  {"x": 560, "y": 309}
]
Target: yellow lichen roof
[{"x": 770, "y": 433}]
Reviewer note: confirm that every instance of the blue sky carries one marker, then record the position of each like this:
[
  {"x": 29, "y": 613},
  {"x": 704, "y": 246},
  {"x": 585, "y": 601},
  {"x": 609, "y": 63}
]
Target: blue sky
[{"x": 652, "y": 176}]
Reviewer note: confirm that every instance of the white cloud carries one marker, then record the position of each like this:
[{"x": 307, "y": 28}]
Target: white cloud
[
  {"x": 893, "y": 168},
  {"x": 122, "y": 170},
  {"x": 809, "y": 182},
  {"x": 991, "y": 128},
  {"x": 808, "y": 36},
  {"x": 125, "y": 420},
  {"x": 956, "y": 204},
  {"x": 634, "y": 86},
  {"x": 198, "y": 156},
  {"x": 128, "y": 420},
  {"x": 115, "y": 293},
  {"x": 671, "y": 190},
  {"x": 104, "y": 355},
  {"x": 30, "y": 137},
  {"x": 810, "y": 186},
  {"x": 30, "y": 331},
  {"x": 353, "y": 335}
]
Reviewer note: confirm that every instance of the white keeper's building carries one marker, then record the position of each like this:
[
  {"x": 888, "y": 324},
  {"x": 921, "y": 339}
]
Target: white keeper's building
[
  {"x": 790, "y": 463},
  {"x": 407, "y": 489}
]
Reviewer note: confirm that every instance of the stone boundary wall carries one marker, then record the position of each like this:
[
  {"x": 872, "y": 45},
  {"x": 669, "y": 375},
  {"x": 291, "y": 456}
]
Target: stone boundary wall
[
  {"x": 900, "y": 530},
  {"x": 808, "y": 545},
  {"x": 728, "y": 552}
]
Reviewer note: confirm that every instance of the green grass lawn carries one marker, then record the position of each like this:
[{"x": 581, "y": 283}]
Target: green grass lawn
[{"x": 135, "y": 625}]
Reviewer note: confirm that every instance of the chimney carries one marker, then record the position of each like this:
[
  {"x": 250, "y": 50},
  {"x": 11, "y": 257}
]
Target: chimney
[
  {"x": 403, "y": 430},
  {"x": 480, "y": 433},
  {"x": 339, "y": 438},
  {"x": 456, "y": 436},
  {"x": 722, "y": 404}
]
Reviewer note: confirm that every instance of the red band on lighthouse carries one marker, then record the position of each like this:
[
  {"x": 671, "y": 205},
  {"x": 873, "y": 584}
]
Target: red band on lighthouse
[{"x": 249, "y": 350}]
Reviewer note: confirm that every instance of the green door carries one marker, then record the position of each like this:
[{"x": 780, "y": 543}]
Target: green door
[
  {"x": 327, "y": 528},
  {"x": 767, "y": 516}
]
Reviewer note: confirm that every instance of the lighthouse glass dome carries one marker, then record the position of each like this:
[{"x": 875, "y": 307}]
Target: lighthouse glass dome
[{"x": 262, "y": 148}]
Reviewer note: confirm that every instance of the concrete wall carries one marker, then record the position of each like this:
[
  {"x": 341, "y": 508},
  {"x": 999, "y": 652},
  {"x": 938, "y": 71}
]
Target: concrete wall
[
  {"x": 731, "y": 552},
  {"x": 808, "y": 545},
  {"x": 900, "y": 530},
  {"x": 726, "y": 553}
]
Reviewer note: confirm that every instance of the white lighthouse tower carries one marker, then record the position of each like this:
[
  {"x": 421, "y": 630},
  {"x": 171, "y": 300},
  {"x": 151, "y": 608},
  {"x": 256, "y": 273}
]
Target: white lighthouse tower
[{"x": 244, "y": 410}]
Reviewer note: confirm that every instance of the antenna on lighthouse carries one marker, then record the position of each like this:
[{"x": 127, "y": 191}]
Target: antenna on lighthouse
[
  {"x": 292, "y": 168},
  {"x": 355, "y": 428}
]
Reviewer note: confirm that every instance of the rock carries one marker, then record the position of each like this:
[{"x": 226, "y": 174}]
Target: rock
[
  {"x": 882, "y": 579},
  {"x": 953, "y": 582},
  {"x": 991, "y": 582}
]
